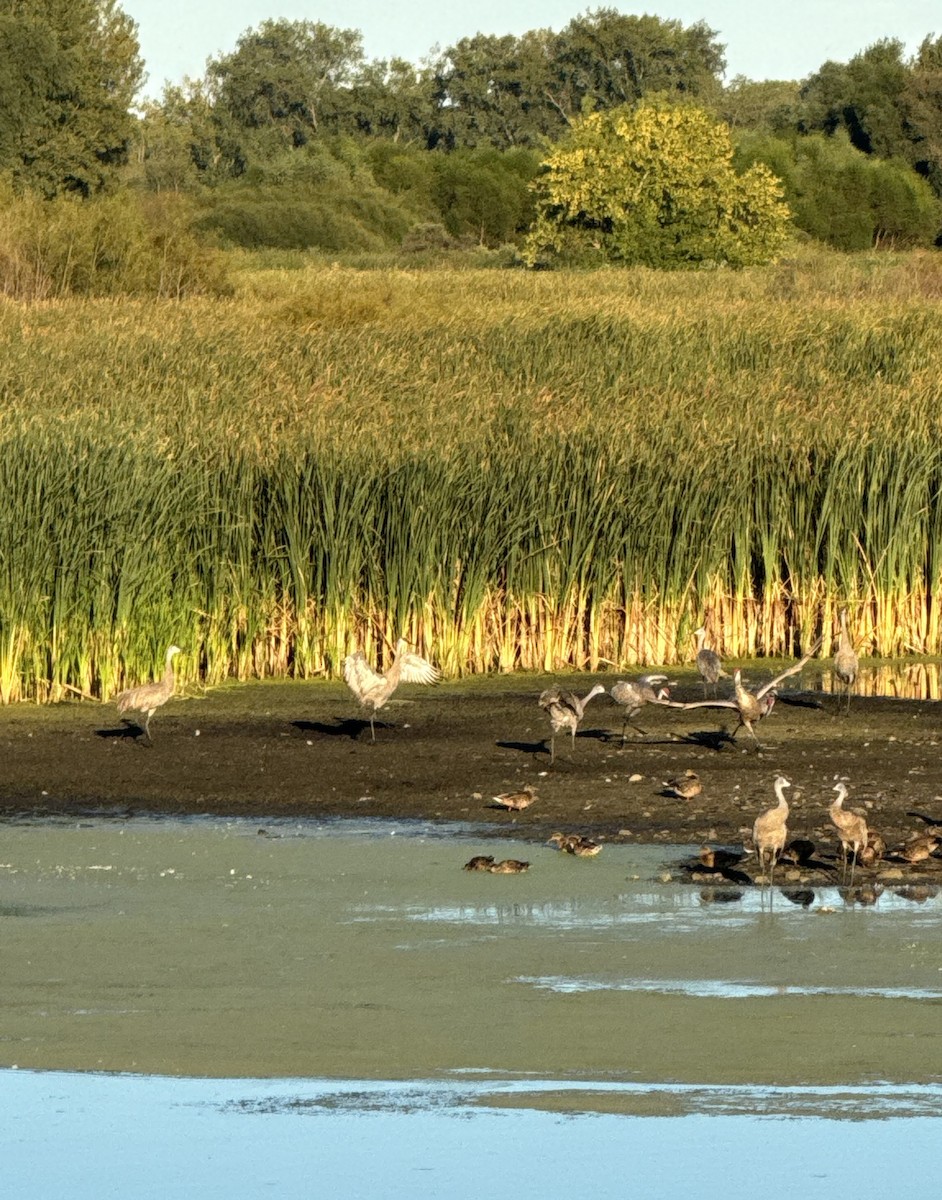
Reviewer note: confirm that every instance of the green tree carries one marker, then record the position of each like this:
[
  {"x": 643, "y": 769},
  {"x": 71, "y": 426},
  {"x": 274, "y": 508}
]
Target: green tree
[
  {"x": 284, "y": 83},
  {"x": 393, "y": 99},
  {"x": 498, "y": 91},
  {"x": 605, "y": 58},
  {"x": 769, "y": 104},
  {"x": 70, "y": 70},
  {"x": 654, "y": 185},
  {"x": 863, "y": 96},
  {"x": 922, "y": 102}
]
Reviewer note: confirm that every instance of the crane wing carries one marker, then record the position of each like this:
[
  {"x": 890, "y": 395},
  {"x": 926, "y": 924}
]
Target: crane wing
[
  {"x": 792, "y": 670},
  {"x": 413, "y": 668},
  {"x": 361, "y": 679},
  {"x": 562, "y": 701},
  {"x": 143, "y": 697},
  {"x": 700, "y": 704}
]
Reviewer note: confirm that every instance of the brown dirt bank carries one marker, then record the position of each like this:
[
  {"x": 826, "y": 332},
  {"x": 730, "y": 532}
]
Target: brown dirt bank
[{"x": 302, "y": 749}]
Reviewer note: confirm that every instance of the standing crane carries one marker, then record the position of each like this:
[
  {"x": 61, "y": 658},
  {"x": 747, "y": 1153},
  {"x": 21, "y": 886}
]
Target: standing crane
[
  {"x": 634, "y": 694},
  {"x": 851, "y": 829},
  {"x": 565, "y": 711},
  {"x": 770, "y": 831},
  {"x": 845, "y": 660},
  {"x": 708, "y": 662},
  {"x": 148, "y": 697},
  {"x": 373, "y": 689}
]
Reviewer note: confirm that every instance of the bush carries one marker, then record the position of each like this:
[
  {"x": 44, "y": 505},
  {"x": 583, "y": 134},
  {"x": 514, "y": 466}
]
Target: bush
[
  {"x": 848, "y": 199},
  {"x": 485, "y": 193},
  {"x": 119, "y": 244}
]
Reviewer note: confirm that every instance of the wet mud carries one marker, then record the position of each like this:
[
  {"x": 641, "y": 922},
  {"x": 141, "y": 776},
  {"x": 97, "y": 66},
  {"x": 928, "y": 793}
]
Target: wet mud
[{"x": 270, "y": 750}]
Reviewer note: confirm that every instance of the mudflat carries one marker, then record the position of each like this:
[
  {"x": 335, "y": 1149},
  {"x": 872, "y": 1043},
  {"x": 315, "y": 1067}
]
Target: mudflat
[{"x": 272, "y": 749}]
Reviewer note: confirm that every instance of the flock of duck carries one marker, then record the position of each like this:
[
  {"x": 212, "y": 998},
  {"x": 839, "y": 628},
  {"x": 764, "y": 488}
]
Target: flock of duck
[{"x": 859, "y": 845}]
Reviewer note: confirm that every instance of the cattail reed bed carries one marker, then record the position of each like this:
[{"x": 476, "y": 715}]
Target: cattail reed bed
[{"x": 513, "y": 471}]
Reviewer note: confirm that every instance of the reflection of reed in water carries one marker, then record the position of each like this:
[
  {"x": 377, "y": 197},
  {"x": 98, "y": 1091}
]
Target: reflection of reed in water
[{"x": 916, "y": 680}]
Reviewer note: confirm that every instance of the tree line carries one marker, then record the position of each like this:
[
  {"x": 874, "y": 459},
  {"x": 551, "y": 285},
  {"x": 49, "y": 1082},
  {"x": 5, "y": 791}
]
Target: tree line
[{"x": 296, "y": 138}]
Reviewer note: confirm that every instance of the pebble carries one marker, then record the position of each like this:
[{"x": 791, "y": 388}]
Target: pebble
[{"x": 635, "y": 778}]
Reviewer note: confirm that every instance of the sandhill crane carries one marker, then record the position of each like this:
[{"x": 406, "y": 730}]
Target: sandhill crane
[
  {"x": 708, "y": 662},
  {"x": 565, "y": 712},
  {"x": 373, "y": 689},
  {"x": 515, "y": 801},
  {"x": 634, "y": 694},
  {"x": 751, "y": 706},
  {"x": 148, "y": 697},
  {"x": 686, "y": 786},
  {"x": 845, "y": 660},
  {"x": 851, "y": 828},
  {"x": 770, "y": 831}
]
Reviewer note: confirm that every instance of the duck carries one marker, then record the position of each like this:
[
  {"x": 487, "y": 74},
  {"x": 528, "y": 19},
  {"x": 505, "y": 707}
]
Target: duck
[
  {"x": 919, "y": 848},
  {"x": 508, "y": 866},
  {"x": 574, "y": 843},
  {"x": 799, "y": 851},
  {"x": 685, "y": 786},
  {"x": 584, "y": 847},
  {"x": 515, "y": 801},
  {"x": 874, "y": 849},
  {"x": 480, "y": 862},
  {"x": 718, "y": 860}
]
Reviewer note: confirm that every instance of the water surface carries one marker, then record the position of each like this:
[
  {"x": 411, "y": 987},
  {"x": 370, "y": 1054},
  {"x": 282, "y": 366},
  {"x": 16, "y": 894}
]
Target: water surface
[{"x": 209, "y": 948}]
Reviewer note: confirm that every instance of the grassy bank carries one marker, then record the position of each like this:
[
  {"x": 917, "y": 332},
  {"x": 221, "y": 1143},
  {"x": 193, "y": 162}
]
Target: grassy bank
[{"x": 514, "y": 470}]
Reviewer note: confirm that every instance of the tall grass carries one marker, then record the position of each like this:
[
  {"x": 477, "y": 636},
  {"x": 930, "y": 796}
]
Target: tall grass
[{"x": 513, "y": 471}]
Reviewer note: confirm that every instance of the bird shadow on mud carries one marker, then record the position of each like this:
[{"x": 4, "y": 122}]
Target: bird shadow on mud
[
  {"x": 799, "y": 700},
  {"x": 349, "y": 727},
  {"x": 612, "y": 738},
  {"x": 129, "y": 731},
  {"x": 525, "y": 747},
  {"x": 711, "y": 739}
]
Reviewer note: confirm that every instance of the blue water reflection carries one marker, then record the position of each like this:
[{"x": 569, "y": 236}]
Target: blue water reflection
[{"x": 92, "y": 1136}]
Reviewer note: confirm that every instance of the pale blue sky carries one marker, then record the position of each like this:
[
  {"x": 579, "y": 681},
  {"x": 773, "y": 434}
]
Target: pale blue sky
[{"x": 764, "y": 39}]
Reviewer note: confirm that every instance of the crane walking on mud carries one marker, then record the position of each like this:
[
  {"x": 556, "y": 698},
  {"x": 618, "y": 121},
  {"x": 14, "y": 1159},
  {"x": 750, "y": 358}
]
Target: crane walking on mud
[
  {"x": 148, "y": 697},
  {"x": 373, "y": 689},
  {"x": 633, "y": 695},
  {"x": 565, "y": 712},
  {"x": 770, "y": 831},
  {"x": 845, "y": 660}
]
